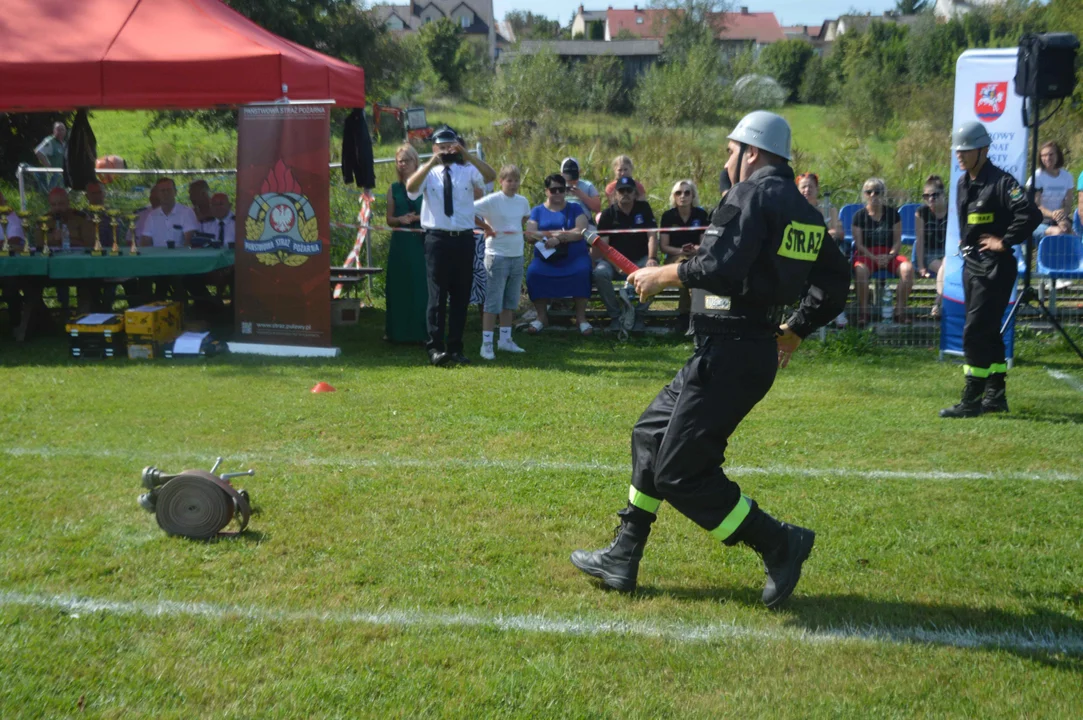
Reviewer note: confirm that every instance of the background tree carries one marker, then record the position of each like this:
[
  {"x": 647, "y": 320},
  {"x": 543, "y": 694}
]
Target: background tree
[
  {"x": 525, "y": 90},
  {"x": 600, "y": 84},
  {"x": 683, "y": 92},
  {"x": 441, "y": 42},
  {"x": 912, "y": 7},
  {"x": 816, "y": 83},
  {"x": 528, "y": 26},
  {"x": 686, "y": 24},
  {"x": 786, "y": 62}
]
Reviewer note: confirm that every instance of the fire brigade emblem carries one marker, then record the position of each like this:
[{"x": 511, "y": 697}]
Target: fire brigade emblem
[
  {"x": 281, "y": 226},
  {"x": 990, "y": 99}
]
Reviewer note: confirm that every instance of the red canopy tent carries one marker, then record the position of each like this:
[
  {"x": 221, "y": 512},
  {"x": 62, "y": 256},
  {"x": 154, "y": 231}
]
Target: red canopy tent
[{"x": 152, "y": 54}]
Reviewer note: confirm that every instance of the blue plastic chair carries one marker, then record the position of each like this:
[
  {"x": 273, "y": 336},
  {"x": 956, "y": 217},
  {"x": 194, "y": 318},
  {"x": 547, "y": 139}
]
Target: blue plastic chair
[
  {"x": 846, "y": 220},
  {"x": 909, "y": 221},
  {"x": 1060, "y": 257}
]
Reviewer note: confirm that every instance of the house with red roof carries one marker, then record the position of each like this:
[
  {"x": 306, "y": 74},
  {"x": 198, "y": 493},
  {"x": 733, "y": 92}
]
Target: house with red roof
[{"x": 735, "y": 31}]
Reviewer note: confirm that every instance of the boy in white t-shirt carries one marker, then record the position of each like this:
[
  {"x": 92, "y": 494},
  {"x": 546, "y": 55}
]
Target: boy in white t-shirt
[{"x": 502, "y": 215}]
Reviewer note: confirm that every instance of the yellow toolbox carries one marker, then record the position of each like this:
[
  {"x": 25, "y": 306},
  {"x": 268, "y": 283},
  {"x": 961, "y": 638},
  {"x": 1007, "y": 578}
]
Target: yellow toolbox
[
  {"x": 99, "y": 335},
  {"x": 156, "y": 322}
]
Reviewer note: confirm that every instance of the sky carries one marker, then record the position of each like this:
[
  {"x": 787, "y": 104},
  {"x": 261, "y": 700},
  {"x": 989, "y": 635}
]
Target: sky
[{"x": 788, "y": 12}]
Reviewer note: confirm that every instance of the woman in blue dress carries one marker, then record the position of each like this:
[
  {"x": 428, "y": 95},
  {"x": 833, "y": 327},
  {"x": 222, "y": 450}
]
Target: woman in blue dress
[{"x": 566, "y": 272}]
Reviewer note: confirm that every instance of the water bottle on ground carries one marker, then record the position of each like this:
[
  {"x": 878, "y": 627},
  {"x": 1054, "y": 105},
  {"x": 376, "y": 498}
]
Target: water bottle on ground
[{"x": 887, "y": 311}]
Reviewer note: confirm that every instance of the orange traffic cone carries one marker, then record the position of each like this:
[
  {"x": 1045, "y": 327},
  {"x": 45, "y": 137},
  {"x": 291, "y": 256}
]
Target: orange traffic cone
[{"x": 322, "y": 387}]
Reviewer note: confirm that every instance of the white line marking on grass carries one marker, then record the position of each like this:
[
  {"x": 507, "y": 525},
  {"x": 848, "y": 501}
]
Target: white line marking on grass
[
  {"x": 388, "y": 461},
  {"x": 1066, "y": 378},
  {"x": 1018, "y": 640}
]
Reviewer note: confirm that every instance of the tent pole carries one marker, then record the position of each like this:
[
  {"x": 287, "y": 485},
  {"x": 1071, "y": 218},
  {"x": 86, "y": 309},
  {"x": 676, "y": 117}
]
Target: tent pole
[{"x": 22, "y": 186}]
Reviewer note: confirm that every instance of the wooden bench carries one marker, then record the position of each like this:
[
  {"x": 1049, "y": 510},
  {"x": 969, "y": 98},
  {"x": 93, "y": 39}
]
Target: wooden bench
[{"x": 351, "y": 277}]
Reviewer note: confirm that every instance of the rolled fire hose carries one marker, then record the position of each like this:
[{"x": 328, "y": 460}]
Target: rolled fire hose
[{"x": 195, "y": 503}]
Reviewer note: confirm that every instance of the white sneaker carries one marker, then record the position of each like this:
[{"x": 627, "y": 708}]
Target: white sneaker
[
  {"x": 487, "y": 351},
  {"x": 509, "y": 346},
  {"x": 841, "y": 320}
]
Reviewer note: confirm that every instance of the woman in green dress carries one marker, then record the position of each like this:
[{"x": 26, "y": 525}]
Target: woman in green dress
[{"x": 406, "y": 289}]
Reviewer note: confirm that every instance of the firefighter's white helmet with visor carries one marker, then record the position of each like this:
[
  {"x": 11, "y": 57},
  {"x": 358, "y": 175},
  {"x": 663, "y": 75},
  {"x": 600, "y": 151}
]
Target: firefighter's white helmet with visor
[
  {"x": 970, "y": 135},
  {"x": 764, "y": 130}
]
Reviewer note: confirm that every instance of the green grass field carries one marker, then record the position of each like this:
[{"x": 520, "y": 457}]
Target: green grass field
[{"x": 409, "y": 556}]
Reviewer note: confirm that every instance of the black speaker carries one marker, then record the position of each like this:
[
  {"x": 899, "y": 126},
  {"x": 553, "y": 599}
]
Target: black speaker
[{"x": 1046, "y": 66}]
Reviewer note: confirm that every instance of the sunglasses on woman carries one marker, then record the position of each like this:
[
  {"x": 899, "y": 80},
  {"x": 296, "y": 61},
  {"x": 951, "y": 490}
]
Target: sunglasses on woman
[
  {"x": 683, "y": 193},
  {"x": 872, "y": 192},
  {"x": 931, "y": 196}
]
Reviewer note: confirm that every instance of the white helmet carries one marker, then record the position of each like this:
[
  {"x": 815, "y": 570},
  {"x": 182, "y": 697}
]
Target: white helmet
[
  {"x": 764, "y": 130},
  {"x": 970, "y": 135}
]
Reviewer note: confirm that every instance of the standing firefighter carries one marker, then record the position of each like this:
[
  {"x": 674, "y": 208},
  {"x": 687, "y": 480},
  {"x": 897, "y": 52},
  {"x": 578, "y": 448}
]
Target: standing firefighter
[
  {"x": 994, "y": 215},
  {"x": 764, "y": 250}
]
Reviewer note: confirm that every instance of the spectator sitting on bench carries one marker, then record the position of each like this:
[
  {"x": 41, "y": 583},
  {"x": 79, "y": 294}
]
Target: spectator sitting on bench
[
  {"x": 877, "y": 231},
  {"x": 199, "y": 194},
  {"x": 682, "y": 244},
  {"x": 639, "y": 247},
  {"x": 1052, "y": 195},
  {"x": 144, "y": 212},
  {"x": 580, "y": 191},
  {"x": 566, "y": 272},
  {"x": 622, "y": 167},
  {"x": 808, "y": 184},
  {"x": 222, "y": 222},
  {"x": 931, "y": 231},
  {"x": 170, "y": 221},
  {"x": 79, "y": 229}
]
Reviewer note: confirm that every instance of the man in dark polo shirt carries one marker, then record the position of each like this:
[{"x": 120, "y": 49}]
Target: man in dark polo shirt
[{"x": 640, "y": 247}]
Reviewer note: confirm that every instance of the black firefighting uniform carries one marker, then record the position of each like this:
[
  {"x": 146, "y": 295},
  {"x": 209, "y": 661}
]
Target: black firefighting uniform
[
  {"x": 990, "y": 204},
  {"x": 764, "y": 251}
]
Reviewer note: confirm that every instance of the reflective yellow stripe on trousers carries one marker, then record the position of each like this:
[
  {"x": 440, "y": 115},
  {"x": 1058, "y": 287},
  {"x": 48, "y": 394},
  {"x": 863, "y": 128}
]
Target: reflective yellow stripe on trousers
[
  {"x": 643, "y": 502},
  {"x": 985, "y": 372},
  {"x": 734, "y": 519}
]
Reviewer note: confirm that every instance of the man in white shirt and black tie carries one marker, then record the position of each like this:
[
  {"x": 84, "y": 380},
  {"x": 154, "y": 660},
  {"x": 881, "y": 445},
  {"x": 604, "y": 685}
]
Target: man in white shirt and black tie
[
  {"x": 222, "y": 221},
  {"x": 447, "y": 215}
]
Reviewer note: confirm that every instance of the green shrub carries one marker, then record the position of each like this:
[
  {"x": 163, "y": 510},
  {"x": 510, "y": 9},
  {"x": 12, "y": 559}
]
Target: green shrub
[
  {"x": 599, "y": 84},
  {"x": 786, "y": 62},
  {"x": 688, "y": 92},
  {"x": 532, "y": 88}
]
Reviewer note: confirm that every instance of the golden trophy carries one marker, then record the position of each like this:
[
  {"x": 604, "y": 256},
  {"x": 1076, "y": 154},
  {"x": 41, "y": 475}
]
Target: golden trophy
[
  {"x": 132, "y": 220},
  {"x": 44, "y": 221},
  {"x": 96, "y": 217},
  {"x": 4, "y": 212},
  {"x": 114, "y": 222},
  {"x": 24, "y": 215}
]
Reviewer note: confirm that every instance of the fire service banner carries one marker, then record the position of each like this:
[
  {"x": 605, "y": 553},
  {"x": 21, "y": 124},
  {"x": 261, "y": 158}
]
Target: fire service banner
[{"x": 283, "y": 225}]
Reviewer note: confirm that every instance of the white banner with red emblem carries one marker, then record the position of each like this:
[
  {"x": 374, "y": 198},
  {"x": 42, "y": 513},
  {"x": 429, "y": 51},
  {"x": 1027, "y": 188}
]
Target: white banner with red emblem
[{"x": 984, "y": 91}]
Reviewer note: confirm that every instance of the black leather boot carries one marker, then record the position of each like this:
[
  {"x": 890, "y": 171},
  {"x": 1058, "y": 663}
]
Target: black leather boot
[
  {"x": 783, "y": 547},
  {"x": 618, "y": 565},
  {"x": 995, "y": 399},
  {"x": 970, "y": 405}
]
